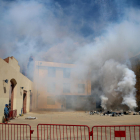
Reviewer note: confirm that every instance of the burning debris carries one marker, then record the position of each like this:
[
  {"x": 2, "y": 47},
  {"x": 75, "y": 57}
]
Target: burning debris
[
  {"x": 108, "y": 113},
  {"x": 113, "y": 113},
  {"x": 136, "y": 113},
  {"x": 95, "y": 112}
]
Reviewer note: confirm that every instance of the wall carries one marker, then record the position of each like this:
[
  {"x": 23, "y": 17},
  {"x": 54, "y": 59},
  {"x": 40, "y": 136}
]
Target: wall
[
  {"x": 9, "y": 69},
  {"x": 41, "y": 81}
]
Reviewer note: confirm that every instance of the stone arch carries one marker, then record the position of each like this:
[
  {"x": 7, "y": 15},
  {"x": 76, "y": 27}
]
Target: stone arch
[
  {"x": 11, "y": 93},
  {"x": 13, "y": 81}
]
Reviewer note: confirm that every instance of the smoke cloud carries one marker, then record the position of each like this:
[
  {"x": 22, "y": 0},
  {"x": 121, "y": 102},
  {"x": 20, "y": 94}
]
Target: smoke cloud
[
  {"x": 95, "y": 40},
  {"x": 118, "y": 85}
]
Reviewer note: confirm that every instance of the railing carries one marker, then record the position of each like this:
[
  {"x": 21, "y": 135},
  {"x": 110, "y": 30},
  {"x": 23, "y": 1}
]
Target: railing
[
  {"x": 12, "y": 114},
  {"x": 62, "y": 131},
  {"x": 113, "y": 132},
  {"x": 15, "y": 131},
  {"x": 69, "y": 132}
]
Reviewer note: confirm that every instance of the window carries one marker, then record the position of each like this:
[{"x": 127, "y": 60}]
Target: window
[
  {"x": 50, "y": 100},
  {"x": 51, "y": 87},
  {"x": 51, "y": 71},
  {"x": 66, "y": 88},
  {"x": 66, "y": 73},
  {"x": 81, "y": 88}
]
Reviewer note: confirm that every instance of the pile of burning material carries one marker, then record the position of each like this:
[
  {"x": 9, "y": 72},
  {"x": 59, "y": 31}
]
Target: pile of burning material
[
  {"x": 113, "y": 114},
  {"x": 31, "y": 118},
  {"x": 95, "y": 112},
  {"x": 136, "y": 113},
  {"x": 130, "y": 113},
  {"x": 91, "y": 113}
]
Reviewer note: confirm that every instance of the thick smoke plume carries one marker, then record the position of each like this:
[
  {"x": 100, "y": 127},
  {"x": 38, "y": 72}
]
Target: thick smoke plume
[
  {"x": 46, "y": 32},
  {"x": 118, "y": 85}
]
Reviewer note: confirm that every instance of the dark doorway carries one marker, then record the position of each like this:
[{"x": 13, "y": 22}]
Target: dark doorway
[
  {"x": 30, "y": 101},
  {"x": 24, "y": 101},
  {"x": 11, "y": 94}
]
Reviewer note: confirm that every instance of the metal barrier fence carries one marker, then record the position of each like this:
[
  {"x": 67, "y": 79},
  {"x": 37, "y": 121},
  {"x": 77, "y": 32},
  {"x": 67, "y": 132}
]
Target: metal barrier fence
[
  {"x": 69, "y": 132},
  {"x": 12, "y": 114},
  {"x": 60, "y": 131},
  {"x": 15, "y": 132},
  {"x": 116, "y": 132}
]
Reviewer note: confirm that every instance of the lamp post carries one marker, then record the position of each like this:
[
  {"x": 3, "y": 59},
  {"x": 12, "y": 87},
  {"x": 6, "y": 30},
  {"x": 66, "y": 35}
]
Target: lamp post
[
  {"x": 4, "y": 85},
  {"x": 6, "y": 81}
]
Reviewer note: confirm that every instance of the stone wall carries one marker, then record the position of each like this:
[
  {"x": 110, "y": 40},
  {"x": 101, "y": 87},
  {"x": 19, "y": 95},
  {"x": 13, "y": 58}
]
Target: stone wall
[{"x": 42, "y": 79}]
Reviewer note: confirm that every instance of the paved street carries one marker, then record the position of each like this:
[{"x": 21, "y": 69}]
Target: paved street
[{"x": 76, "y": 118}]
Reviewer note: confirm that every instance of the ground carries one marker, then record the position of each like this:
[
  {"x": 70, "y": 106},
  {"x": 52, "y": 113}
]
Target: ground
[{"x": 75, "y": 118}]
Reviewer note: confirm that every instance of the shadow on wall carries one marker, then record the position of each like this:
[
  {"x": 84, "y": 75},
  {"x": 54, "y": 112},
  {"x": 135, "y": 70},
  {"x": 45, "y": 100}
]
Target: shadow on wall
[
  {"x": 13, "y": 83},
  {"x": 2, "y": 119}
]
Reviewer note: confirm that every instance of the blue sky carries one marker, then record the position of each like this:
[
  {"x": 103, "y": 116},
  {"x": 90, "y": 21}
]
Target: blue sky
[
  {"x": 89, "y": 12},
  {"x": 38, "y": 25},
  {"x": 97, "y": 12}
]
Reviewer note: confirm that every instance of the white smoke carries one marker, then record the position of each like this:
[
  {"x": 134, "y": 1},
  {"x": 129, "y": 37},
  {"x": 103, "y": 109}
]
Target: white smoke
[
  {"x": 33, "y": 28},
  {"x": 108, "y": 58},
  {"x": 104, "y": 101},
  {"x": 118, "y": 85},
  {"x": 126, "y": 87}
]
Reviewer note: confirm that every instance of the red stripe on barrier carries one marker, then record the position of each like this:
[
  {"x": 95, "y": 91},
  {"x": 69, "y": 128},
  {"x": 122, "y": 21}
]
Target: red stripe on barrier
[{"x": 120, "y": 134}]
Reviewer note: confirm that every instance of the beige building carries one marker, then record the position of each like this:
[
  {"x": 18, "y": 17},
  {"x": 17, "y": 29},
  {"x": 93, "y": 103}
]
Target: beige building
[
  {"x": 15, "y": 88},
  {"x": 56, "y": 86}
]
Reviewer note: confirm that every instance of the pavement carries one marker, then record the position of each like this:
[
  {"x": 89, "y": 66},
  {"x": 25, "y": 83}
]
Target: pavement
[{"x": 74, "y": 118}]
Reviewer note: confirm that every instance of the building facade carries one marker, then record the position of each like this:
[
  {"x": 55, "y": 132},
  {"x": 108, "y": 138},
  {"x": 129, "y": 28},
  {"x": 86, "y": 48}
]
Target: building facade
[
  {"x": 15, "y": 89},
  {"x": 56, "y": 86}
]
